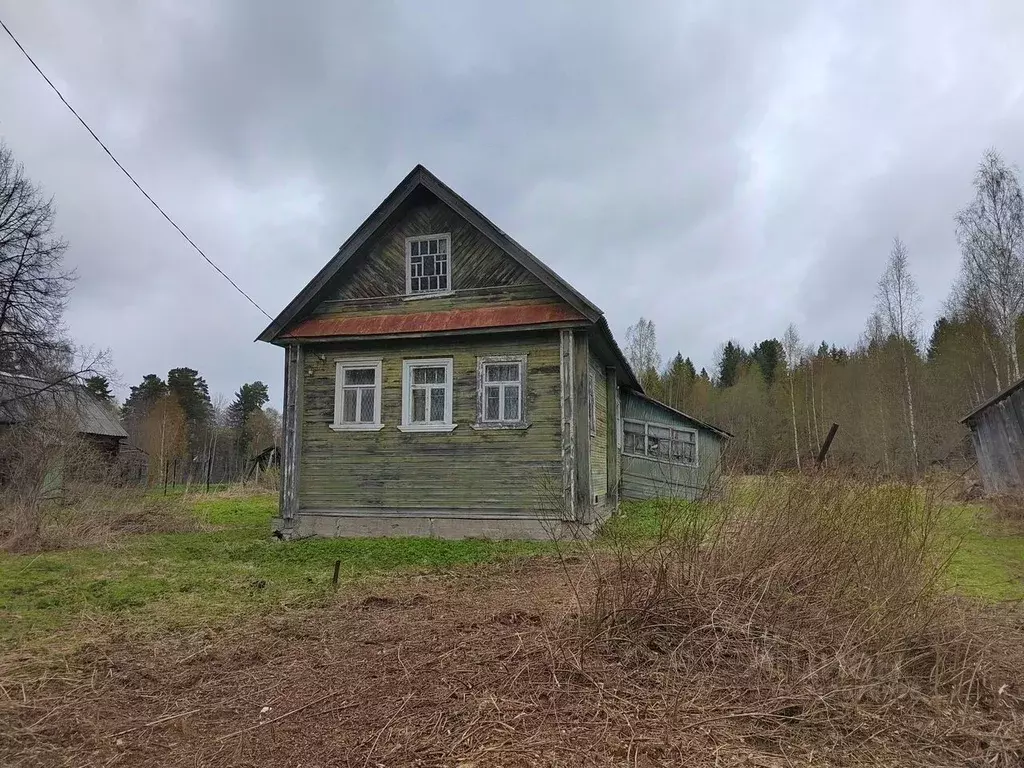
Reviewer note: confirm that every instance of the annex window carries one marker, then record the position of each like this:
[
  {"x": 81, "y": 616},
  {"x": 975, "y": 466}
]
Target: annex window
[
  {"x": 660, "y": 442},
  {"x": 427, "y": 395},
  {"x": 592, "y": 402},
  {"x": 501, "y": 386},
  {"x": 428, "y": 264},
  {"x": 357, "y": 386}
]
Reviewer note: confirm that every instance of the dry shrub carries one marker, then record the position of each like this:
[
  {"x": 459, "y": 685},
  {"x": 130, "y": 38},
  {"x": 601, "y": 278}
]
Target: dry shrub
[
  {"x": 58, "y": 490},
  {"x": 812, "y": 605},
  {"x": 1008, "y": 508}
]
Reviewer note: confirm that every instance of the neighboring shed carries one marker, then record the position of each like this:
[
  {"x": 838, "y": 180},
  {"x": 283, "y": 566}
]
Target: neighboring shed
[
  {"x": 666, "y": 453},
  {"x": 26, "y": 398},
  {"x": 997, "y": 430}
]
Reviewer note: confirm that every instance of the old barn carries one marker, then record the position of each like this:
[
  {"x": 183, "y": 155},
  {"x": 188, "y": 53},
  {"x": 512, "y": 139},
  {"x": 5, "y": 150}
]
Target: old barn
[{"x": 997, "y": 430}]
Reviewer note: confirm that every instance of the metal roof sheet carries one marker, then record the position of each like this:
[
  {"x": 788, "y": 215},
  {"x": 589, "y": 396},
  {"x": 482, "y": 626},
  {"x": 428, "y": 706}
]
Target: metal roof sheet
[{"x": 432, "y": 322}]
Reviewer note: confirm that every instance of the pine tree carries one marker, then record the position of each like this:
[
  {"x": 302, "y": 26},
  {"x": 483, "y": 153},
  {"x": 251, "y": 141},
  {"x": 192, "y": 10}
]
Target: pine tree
[
  {"x": 733, "y": 356},
  {"x": 100, "y": 386},
  {"x": 249, "y": 399},
  {"x": 768, "y": 354},
  {"x": 193, "y": 395},
  {"x": 143, "y": 397}
]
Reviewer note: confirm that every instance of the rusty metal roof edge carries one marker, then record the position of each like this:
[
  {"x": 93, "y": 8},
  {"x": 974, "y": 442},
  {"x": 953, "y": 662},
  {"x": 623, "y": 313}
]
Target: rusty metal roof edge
[{"x": 478, "y": 331}]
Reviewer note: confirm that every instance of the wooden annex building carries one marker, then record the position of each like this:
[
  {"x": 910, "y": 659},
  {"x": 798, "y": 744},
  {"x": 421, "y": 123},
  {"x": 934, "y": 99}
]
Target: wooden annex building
[
  {"x": 442, "y": 381},
  {"x": 997, "y": 431}
]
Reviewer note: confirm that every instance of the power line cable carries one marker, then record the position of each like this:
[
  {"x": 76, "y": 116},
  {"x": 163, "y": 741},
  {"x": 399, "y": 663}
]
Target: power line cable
[{"x": 131, "y": 178}]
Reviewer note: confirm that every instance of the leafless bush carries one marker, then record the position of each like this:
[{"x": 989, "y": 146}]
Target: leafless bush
[
  {"x": 59, "y": 489},
  {"x": 811, "y": 602}
]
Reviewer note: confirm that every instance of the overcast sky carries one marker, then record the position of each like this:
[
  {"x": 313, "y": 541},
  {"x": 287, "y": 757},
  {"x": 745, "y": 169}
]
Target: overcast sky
[{"x": 723, "y": 168}]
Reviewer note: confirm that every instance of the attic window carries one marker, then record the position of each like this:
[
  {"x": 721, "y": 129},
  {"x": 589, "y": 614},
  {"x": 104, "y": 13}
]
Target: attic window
[{"x": 428, "y": 264}]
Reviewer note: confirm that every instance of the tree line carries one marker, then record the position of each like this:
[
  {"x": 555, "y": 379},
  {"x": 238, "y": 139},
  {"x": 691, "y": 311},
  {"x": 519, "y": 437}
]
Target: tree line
[
  {"x": 182, "y": 431},
  {"x": 899, "y": 392}
]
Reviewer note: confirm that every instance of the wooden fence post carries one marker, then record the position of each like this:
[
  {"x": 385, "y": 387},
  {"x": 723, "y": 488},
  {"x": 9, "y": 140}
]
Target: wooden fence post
[{"x": 827, "y": 444}]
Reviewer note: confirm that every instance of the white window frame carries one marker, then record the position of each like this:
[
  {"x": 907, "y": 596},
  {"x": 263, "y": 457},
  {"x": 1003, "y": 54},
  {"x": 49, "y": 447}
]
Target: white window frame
[
  {"x": 647, "y": 425},
  {"x": 340, "y": 366},
  {"x": 592, "y": 402},
  {"x": 446, "y": 236},
  {"x": 481, "y": 383},
  {"x": 448, "y": 424}
]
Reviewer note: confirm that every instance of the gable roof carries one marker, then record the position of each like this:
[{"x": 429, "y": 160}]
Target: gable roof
[
  {"x": 418, "y": 178},
  {"x": 19, "y": 394},
  {"x": 421, "y": 178},
  {"x": 993, "y": 400}
]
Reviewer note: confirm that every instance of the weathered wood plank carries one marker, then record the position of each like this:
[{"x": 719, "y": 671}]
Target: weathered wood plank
[
  {"x": 599, "y": 440},
  {"x": 292, "y": 428},
  {"x": 517, "y": 469},
  {"x": 568, "y": 423},
  {"x": 481, "y": 273},
  {"x": 612, "y": 438},
  {"x": 643, "y": 478},
  {"x": 581, "y": 407}
]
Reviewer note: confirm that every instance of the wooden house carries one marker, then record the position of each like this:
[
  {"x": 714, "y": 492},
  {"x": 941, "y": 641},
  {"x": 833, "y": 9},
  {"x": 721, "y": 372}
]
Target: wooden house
[
  {"x": 442, "y": 381},
  {"x": 997, "y": 431}
]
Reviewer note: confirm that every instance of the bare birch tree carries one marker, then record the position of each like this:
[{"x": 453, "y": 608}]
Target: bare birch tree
[
  {"x": 991, "y": 235},
  {"x": 793, "y": 351},
  {"x": 898, "y": 305},
  {"x": 642, "y": 351}
]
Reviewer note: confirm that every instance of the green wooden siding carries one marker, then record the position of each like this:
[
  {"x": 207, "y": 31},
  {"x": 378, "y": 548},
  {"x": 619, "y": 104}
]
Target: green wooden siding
[
  {"x": 644, "y": 478},
  {"x": 501, "y": 472},
  {"x": 481, "y": 273},
  {"x": 599, "y": 441}
]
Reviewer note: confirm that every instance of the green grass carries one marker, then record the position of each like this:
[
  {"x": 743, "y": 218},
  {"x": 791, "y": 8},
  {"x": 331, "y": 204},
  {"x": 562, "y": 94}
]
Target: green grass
[
  {"x": 191, "y": 580},
  {"x": 990, "y": 560},
  {"x": 650, "y": 519},
  {"x": 210, "y": 578}
]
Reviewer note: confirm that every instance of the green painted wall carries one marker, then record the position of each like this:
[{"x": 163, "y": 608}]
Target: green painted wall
[
  {"x": 502, "y": 472},
  {"x": 481, "y": 273},
  {"x": 599, "y": 442},
  {"x": 643, "y": 478}
]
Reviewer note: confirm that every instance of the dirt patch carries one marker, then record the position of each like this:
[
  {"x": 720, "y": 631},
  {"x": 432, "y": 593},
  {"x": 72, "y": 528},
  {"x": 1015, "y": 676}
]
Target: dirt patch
[{"x": 481, "y": 667}]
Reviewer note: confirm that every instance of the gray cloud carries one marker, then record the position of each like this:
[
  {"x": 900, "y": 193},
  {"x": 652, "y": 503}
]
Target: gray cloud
[{"x": 723, "y": 168}]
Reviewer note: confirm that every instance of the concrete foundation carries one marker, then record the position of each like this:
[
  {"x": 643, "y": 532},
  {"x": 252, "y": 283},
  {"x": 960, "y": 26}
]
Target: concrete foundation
[{"x": 362, "y": 525}]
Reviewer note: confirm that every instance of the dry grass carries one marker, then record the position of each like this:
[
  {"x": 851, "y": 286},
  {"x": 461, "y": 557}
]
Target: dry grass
[
  {"x": 811, "y": 608},
  {"x": 810, "y": 630},
  {"x": 92, "y": 517}
]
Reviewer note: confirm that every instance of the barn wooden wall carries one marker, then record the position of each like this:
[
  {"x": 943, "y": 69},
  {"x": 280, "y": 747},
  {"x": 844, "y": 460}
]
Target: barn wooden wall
[{"x": 998, "y": 435}]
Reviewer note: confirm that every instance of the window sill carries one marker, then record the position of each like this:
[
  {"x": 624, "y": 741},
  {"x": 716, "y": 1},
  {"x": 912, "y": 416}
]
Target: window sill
[
  {"x": 356, "y": 427},
  {"x": 426, "y": 427},
  {"x": 683, "y": 464},
  {"x": 486, "y": 426},
  {"x": 431, "y": 295}
]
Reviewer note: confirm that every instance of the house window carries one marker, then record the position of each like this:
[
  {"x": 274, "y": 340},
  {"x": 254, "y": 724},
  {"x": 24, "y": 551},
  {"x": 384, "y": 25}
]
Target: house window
[
  {"x": 427, "y": 395},
  {"x": 501, "y": 383},
  {"x": 428, "y": 264},
  {"x": 357, "y": 386},
  {"x": 660, "y": 442},
  {"x": 592, "y": 402}
]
